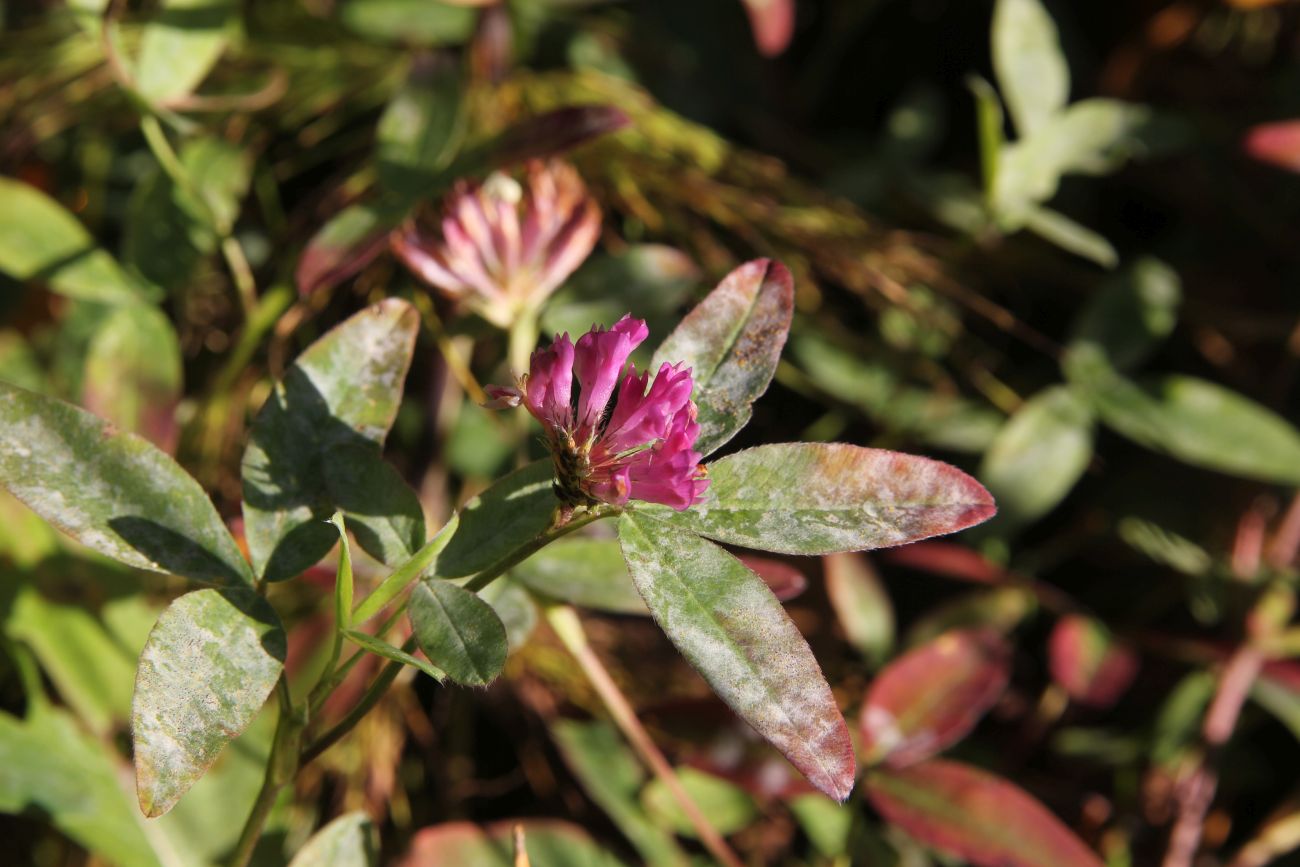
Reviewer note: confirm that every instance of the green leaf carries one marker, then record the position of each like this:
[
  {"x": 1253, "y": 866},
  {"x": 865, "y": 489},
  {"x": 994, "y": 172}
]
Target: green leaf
[
  {"x": 1000, "y": 609},
  {"x": 348, "y": 841},
  {"x": 1039, "y": 455},
  {"x": 459, "y": 632},
  {"x": 516, "y": 608},
  {"x": 823, "y": 498},
  {"x": 989, "y": 125},
  {"x": 726, "y": 622},
  {"x": 728, "y": 807},
  {"x": 40, "y": 240},
  {"x": 133, "y": 374},
  {"x": 861, "y": 605},
  {"x": 209, "y": 665},
  {"x": 1129, "y": 316},
  {"x": 379, "y": 647},
  {"x": 976, "y": 816},
  {"x": 612, "y": 776},
  {"x": 18, "y": 363},
  {"x": 590, "y": 573},
  {"x": 826, "y": 823},
  {"x": 421, "y": 127},
  {"x": 732, "y": 341},
  {"x": 410, "y": 22},
  {"x": 1030, "y": 67},
  {"x": 55, "y": 770},
  {"x": 180, "y": 45},
  {"x": 112, "y": 492},
  {"x": 1193, "y": 420},
  {"x": 315, "y": 448},
  {"x": 499, "y": 521},
  {"x": 1058, "y": 229}
]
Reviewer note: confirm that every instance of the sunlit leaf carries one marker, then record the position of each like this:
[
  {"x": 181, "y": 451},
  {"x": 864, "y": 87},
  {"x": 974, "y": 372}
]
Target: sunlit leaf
[
  {"x": 499, "y": 521},
  {"x": 348, "y": 841},
  {"x": 1027, "y": 57},
  {"x": 379, "y": 647},
  {"x": 975, "y": 815},
  {"x": 815, "y": 498},
  {"x": 209, "y": 665},
  {"x": 732, "y": 341},
  {"x": 1039, "y": 455},
  {"x": 315, "y": 448},
  {"x": 459, "y": 632},
  {"x": 728, "y": 807},
  {"x": 40, "y": 240},
  {"x": 861, "y": 605},
  {"x": 1092, "y": 667},
  {"x": 930, "y": 698},
  {"x": 133, "y": 374},
  {"x": 729, "y": 626},
  {"x": 410, "y": 22},
  {"x": 112, "y": 492},
  {"x": 181, "y": 43},
  {"x": 590, "y": 573}
]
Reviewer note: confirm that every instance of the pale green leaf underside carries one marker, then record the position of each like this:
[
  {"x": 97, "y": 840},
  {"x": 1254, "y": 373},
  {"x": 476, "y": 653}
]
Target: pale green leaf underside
[{"x": 1031, "y": 70}]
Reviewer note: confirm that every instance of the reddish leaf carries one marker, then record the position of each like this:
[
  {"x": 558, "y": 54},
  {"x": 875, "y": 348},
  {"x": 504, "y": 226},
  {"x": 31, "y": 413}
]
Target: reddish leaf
[
  {"x": 930, "y": 698},
  {"x": 555, "y": 132},
  {"x": 463, "y": 844},
  {"x": 1088, "y": 663},
  {"x": 949, "y": 560},
  {"x": 861, "y": 605},
  {"x": 343, "y": 246},
  {"x": 1276, "y": 143},
  {"x": 785, "y": 581},
  {"x": 975, "y": 815},
  {"x": 773, "y": 24}
]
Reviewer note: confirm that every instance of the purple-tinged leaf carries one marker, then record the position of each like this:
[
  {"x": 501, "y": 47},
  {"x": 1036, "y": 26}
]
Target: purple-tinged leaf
[
  {"x": 549, "y": 843},
  {"x": 1088, "y": 663},
  {"x": 861, "y": 604},
  {"x": 785, "y": 581},
  {"x": 826, "y": 498},
  {"x": 773, "y": 24},
  {"x": 732, "y": 341},
  {"x": 729, "y": 626},
  {"x": 949, "y": 560},
  {"x": 930, "y": 698},
  {"x": 975, "y": 815},
  {"x": 342, "y": 247}
]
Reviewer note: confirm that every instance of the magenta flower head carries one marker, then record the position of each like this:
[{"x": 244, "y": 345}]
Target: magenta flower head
[
  {"x": 637, "y": 444},
  {"x": 502, "y": 247}
]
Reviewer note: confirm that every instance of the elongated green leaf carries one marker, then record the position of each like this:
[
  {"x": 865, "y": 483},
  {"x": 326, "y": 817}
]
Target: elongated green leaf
[
  {"x": 826, "y": 823},
  {"x": 1131, "y": 313},
  {"x": 459, "y": 632},
  {"x": 930, "y": 698},
  {"x": 421, "y": 127},
  {"x": 1027, "y": 57},
  {"x": 587, "y": 572},
  {"x": 728, "y": 807},
  {"x": 348, "y": 841},
  {"x": 824, "y": 498},
  {"x": 112, "y": 492},
  {"x": 611, "y": 775},
  {"x": 500, "y": 520},
  {"x": 861, "y": 605},
  {"x": 1193, "y": 420},
  {"x": 315, "y": 448},
  {"x": 209, "y": 665},
  {"x": 1039, "y": 455},
  {"x": 379, "y": 647},
  {"x": 53, "y": 769},
  {"x": 732, "y": 341},
  {"x": 1058, "y": 229},
  {"x": 40, "y": 240},
  {"x": 729, "y": 626},
  {"x": 180, "y": 45},
  {"x": 133, "y": 374},
  {"x": 976, "y": 816},
  {"x": 410, "y": 22}
]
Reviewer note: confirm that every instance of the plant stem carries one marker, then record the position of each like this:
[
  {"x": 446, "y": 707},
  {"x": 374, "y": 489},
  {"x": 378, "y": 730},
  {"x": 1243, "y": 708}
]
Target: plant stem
[
  {"x": 373, "y": 694},
  {"x": 404, "y": 575},
  {"x": 564, "y": 620},
  {"x": 281, "y": 767}
]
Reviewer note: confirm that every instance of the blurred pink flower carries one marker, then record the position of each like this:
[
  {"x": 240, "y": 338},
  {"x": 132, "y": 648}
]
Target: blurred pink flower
[
  {"x": 641, "y": 449},
  {"x": 502, "y": 247}
]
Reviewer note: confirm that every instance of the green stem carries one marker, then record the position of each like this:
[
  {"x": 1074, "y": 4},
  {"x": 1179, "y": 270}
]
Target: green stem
[
  {"x": 281, "y": 768},
  {"x": 369, "y": 700},
  {"x": 528, "y": 549},
  {"x": 329, "y": 684},
  {"x": 404, "y": 575}
]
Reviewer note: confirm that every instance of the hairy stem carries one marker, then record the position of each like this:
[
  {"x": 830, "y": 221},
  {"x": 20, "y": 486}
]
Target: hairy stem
[{"x": 281, "y": 768}]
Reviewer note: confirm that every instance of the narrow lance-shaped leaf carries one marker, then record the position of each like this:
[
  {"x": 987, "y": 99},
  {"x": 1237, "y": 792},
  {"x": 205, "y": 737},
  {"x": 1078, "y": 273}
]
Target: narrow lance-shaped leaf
[
  {"x": 315, "y": 448},
  {"x": 930, "y": 698},
  {"x": 209, "y": 665},
  {"x": 825, "y": 498},
  {"x": 732, "y": 341},
  {"x": 379, "y": 647},
  {"x": 459, "y": 632},
  {"x": 1027, "y": 58},
  {"x": 348, "y": 841},
  {"x": 861, "y": 605},
  {"x": 729, "y": 626},
  {"x": 113, "y": 492},
  {"x": 975, "y": 815}
]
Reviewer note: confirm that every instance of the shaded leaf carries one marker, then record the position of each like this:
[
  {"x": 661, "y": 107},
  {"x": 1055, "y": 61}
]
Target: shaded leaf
[
  {"x": 516, "y": 608},
  {"x": 732, "y": 341},
  {"x": 824, "y": 498},
  {"x": 409, "y": 22},
  {"x": 180, "y": 45},
  {"x": 548, "y": 134},
  {"x": 112, "y": 492},
  {"x": 421, "y": 127},
  {"x": 315, "y": 448},
  {"x": 1088, "y": 663},
  {"x": 785, "y": 581},
  {"x": 1039, "y": 455},
  {"x": 773, "y": 24},
  {"x": 1132, "y": 312},
  {"x": 730, "y": 627},
  {"x": 931, "y": 697},
  {"x": 209, "y": 665},
  {"x": 1027, "y": 58},
  {"x": 499, "y": 521},
  {"x": 133, "y": 374},
  {"x": 40, "y": 240},
  {"x": 458, "y": 631},
  {"x": 861, "y": 605},
  {"x": 348, "y": 841},
  {"x": 728, "y": 807},
  {"x": 975, "y": 815},
  {"x": 587, "y": 572},
  {"x": 1000, "y": 609},
  {"x": 348, "y": 242},
  {"x": 379, "y": 647}
]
